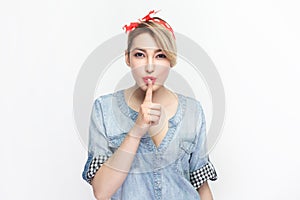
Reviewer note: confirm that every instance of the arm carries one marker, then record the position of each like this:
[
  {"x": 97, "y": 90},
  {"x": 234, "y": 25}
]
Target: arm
[
  {"x": 115, "y": 170},
  {"x": 204, "y": 192}
]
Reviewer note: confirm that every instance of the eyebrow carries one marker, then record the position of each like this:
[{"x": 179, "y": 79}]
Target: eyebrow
[{"x": 143, "y": 50}]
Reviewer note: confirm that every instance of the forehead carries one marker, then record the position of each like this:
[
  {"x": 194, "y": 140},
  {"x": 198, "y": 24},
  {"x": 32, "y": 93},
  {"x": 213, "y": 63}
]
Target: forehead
[{"x": 144, "y": 40}]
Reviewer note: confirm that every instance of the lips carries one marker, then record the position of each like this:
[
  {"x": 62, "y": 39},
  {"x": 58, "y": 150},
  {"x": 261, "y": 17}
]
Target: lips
[{"x": 149, "y": 77}]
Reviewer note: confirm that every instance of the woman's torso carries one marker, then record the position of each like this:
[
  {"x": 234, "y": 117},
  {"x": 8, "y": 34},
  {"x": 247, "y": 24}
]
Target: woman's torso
[{"x": 158, "y": 171}]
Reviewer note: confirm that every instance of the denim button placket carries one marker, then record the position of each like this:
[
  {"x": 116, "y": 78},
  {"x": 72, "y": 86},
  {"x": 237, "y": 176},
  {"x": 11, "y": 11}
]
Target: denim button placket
[{"x": 157, "y": 185}]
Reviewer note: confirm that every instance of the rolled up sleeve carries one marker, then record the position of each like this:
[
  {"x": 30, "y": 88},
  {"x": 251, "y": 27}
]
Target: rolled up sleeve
[
  {"x": 201, "y": 168},
  {"x": 98, "y": 149}
]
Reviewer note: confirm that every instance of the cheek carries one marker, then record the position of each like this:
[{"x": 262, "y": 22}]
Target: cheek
[
  {"x": 164, "y": 72},
  {"x": 137, "y": 73},
  {"x": 136, "y": 62}
]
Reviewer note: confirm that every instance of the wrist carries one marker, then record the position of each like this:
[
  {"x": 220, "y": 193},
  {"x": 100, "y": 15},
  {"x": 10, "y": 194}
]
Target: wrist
[
  {"x": 133, "y": 136},
  {"x": 138, "y": 131}
]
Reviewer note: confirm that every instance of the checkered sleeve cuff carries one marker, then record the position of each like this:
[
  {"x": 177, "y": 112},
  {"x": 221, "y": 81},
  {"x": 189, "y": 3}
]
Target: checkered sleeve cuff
[
  {"x": 199, "y": 176},
  {"x": 96, "y": 163}
]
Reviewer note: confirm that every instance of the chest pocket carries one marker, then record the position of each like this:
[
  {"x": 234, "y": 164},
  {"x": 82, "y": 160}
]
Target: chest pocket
[
  {"x": 186, "y": 149},
  {"x": 187, "y": 146}
]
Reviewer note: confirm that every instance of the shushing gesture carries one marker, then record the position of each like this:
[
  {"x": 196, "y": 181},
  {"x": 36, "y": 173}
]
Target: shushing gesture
[{"x": 149, "y": 113}]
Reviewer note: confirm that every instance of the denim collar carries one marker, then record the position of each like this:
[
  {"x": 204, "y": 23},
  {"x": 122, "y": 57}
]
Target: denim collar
[{"x": 128, "y": 111}]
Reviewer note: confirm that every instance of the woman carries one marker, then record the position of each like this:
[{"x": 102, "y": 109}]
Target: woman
[{"x": 147, "y": 142}]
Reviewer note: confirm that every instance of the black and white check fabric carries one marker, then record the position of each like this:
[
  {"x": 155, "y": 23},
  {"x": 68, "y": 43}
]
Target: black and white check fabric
[
  {"x": 96, "y": 163},
  {"x": 199, "y": 176}
]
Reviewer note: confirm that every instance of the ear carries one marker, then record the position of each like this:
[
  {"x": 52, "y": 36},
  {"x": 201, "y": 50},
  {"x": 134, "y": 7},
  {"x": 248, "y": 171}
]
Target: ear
[{"x": 127, "y": 59}]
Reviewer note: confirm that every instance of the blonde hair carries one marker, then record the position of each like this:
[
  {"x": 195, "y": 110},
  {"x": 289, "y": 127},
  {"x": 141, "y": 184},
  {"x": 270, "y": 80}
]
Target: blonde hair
[{"x": 162, "y": 36}]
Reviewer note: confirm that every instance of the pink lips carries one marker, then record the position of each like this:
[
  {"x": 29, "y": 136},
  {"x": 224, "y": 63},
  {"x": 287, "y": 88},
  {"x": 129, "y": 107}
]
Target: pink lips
[{"x": 149, "y": 77}]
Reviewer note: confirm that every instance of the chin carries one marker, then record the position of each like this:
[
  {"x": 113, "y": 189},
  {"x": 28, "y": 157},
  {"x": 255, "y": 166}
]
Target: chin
[{"x": 154, "y": 87}]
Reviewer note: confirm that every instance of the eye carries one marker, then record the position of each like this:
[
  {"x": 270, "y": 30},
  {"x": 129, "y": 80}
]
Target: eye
[
  {"x": 139, "y": 54},
  {"x": 161, "y": 55}
]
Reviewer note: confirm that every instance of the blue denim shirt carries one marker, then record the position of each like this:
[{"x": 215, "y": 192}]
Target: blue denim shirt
[{"x": 172, "y": 170}]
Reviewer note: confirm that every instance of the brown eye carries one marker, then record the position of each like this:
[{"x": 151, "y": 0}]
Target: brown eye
[
  {"x": 139, "y": 54},
  {"x": 161, "y": 55}
]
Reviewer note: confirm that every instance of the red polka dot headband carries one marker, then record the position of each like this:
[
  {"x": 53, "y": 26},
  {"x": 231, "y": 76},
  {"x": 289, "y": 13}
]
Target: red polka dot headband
[{"x": 133, "y": 25}]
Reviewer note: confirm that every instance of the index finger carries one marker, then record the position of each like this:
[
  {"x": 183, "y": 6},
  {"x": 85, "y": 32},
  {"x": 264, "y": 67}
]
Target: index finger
[{"x": 148, "y": 96}]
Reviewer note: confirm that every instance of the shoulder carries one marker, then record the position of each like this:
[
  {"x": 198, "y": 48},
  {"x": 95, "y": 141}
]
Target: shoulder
[
  {"x": 192, "y": 116},
  {"x": 105, "y": 103},
  {"x": 107, "y": 98},
  {"x": 191, "y": 103},
  {"x": 193, "y": 111}
]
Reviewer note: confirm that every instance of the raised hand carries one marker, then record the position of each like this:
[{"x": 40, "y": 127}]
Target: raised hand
[{"x": 149, "y": 113}]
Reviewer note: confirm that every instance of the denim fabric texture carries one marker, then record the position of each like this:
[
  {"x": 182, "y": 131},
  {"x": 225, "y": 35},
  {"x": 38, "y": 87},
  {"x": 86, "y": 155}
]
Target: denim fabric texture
[{"x": 157, "y": 172}]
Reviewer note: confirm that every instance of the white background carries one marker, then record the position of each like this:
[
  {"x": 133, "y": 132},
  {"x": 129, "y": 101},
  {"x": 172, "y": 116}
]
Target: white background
[{"x": 254, "y": 44}]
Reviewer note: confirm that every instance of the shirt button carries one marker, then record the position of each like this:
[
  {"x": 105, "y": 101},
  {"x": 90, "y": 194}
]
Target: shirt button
[{"x": 158, "y": 184}]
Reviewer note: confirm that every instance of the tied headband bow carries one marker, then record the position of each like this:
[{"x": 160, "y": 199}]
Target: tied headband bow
[{"x": 133, "y": 25}]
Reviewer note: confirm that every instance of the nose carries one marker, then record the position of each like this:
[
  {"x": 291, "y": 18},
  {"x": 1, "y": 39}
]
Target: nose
[{"x": 149, "y": 66}]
